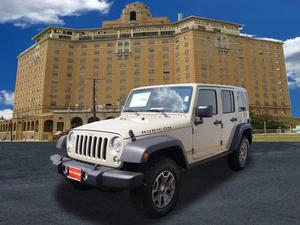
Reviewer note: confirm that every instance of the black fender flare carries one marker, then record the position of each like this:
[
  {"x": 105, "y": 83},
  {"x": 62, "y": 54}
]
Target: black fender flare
[
  {"x": 240, "y": 129},
  {"x": 134, "y": 151},
  {"x": 62, "y": 142}
]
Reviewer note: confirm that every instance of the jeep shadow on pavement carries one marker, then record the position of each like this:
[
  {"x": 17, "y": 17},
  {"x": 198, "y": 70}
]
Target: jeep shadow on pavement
[{"x": 161, "y": 131}]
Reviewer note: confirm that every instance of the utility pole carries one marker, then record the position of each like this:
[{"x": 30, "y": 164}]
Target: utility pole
[
  {"x": 94, "y": 97},
  {"x": 94, "y": 100}
]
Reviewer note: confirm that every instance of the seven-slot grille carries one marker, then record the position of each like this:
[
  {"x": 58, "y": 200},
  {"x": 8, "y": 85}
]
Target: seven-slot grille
[{"x": 91, "y": 146}]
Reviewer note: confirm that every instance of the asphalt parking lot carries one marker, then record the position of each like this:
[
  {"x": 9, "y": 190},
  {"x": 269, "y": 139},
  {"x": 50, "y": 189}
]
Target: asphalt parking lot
[{"x": 266, "y": 192}]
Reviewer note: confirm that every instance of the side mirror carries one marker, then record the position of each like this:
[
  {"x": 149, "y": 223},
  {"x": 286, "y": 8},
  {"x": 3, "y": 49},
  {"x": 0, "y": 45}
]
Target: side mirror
[
  {"x": 204, "y": 111},
  {"x": 242, "y": 109}
]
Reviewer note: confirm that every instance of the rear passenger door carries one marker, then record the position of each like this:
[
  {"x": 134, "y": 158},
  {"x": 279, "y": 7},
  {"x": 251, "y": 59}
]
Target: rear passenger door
[{"x": 229, "y": 117}]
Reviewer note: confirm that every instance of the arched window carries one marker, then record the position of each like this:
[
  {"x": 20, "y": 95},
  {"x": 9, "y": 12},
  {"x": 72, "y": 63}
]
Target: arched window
[
  {"x": 36, "y": 126},
  {"x": 126, "y": 46},
  {"x": 120, "y": 47},
  {"x": 76, "y": 122},
  {"x": 92, "y": 119},
  {"x": 48, "y": 126},
  {"x": 32, "y": 126},
  {"x": 132, "y": 16}
]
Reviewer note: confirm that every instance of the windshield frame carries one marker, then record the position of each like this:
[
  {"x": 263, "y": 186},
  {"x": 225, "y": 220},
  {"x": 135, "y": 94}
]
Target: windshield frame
[{"x": 129, "y": 98}]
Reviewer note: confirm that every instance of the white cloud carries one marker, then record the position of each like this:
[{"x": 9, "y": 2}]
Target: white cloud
[
  {"x": 7, "y": 97},
  {"x": 6, "y": 113},
  {"x": 260, "y": 38},
  {"x": 25, "y": 12},
  {"x": 292, "y": 59},
  {"x": 268, "y": 39},
  {"x": 247, "y": 35}
]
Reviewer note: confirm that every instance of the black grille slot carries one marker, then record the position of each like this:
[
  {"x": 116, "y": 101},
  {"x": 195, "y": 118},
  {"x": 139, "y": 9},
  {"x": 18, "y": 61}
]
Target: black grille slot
[
  {"x": 89, "y": 146},
  {"x": 99, "y": 148},
  {"x": 77, "y": 144},
  {"x": 94, "y": 147},
  {"x": 104, "y": 149},
  {"x": 80, "y": 144},
  {"x": 84, "y": 145}
]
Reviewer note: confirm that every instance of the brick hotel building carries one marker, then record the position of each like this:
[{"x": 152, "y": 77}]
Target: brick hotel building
[{"x": 54, "y": 86}]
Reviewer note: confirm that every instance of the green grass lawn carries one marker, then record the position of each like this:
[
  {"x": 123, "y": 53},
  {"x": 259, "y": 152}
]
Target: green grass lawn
[{"x": 276, "y": 137}]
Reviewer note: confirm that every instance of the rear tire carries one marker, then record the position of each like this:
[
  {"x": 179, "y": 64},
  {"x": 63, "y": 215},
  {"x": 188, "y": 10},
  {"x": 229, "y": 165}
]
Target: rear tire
[
  {"x": 160, "y": 193},
  {"x": 239, "y": 158}
]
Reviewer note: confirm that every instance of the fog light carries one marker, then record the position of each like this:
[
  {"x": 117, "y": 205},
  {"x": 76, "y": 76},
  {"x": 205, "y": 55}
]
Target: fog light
[
  {"x": 116, "y": 159},
  {"x": 85, "y": 176},
  {"x": 65, "y": 170}
]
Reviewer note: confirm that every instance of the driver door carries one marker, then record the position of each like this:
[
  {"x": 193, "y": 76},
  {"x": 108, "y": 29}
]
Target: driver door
[{"x": 207, "y": 135}]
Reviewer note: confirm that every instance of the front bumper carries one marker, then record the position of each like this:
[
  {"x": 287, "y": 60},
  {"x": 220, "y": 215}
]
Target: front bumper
[{"x": 100, "y": 176}]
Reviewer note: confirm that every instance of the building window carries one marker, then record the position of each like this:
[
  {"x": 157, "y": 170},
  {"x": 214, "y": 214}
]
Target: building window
[
  {"x": 48, "y": 126},
  {"x": 132, "y": 16},
  {"x": 60, "y": 126}
]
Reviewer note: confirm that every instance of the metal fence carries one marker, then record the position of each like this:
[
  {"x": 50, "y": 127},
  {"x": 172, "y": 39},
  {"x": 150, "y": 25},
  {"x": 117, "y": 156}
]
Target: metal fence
[{"x": 276, "y": 131}]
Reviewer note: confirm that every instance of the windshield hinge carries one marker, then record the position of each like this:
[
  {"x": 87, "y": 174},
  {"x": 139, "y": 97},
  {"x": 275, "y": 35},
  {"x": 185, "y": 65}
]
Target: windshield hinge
[{"x": 131, "y": 135}]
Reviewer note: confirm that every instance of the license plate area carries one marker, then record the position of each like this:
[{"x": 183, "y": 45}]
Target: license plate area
[{"x": 75, "y": 174}]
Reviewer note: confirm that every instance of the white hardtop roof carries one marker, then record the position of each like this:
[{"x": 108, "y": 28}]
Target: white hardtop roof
[{"x": 193, "y": 85}]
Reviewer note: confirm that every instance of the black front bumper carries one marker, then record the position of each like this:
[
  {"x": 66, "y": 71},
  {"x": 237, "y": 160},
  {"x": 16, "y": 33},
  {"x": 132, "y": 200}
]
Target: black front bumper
[{"x": 100, "y": 176}]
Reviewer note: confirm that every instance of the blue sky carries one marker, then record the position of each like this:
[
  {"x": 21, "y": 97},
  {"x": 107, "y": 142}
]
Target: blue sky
[{"x": 279, "y": 19}]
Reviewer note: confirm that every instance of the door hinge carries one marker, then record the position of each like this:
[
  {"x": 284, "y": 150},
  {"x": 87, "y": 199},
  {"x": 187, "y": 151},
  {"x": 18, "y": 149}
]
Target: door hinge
[
  {"x": 193, "y": 130},
  {"x": 193, "y": 150},
  {"x": 221, "y": 142}
]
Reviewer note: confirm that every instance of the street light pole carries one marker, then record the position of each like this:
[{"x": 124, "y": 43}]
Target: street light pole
[{"x": 94, "y": 99}]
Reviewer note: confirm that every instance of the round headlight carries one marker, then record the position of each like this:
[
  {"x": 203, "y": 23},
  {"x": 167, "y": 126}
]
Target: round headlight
[
  {"x": 116, "y": 143},
  {"x": 71, "y": 139}
]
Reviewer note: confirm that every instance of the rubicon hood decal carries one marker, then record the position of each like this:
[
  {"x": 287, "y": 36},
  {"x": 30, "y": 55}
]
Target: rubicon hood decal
[{"x": 156, "y": 130}]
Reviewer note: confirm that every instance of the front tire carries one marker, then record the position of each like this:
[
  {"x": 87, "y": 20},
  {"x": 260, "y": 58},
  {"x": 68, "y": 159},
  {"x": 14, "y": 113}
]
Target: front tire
[
  {"x": 160, "y": 193},
  {"x": 239, "y": 158}
]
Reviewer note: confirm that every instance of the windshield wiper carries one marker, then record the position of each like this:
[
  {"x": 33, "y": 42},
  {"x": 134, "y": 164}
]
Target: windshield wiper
[
  {"x": 132, "y": 110},
  {"x": 161, "y": 110}
]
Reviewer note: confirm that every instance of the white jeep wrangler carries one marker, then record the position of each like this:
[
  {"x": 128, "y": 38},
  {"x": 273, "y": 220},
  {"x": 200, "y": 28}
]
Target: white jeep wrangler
[{"x": 161, "y": 131}]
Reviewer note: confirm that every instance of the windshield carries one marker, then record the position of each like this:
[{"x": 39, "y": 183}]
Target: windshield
[{"x": 164, "y": 99}]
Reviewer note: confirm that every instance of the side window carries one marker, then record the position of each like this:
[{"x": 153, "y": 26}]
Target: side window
[
  {"x": 227, "y": 101},
  {"x": 242, "y": 101},
  {"x": 206, "y": 98}
]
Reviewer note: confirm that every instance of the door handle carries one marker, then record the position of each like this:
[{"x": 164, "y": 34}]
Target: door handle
[
  {"x": 217, "y": 122},
  {"x": 233, "y": 119}
]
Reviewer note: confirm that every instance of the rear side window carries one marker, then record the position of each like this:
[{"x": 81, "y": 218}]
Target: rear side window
[
  {"x": 228, "y": 101},
  {"x": 242, "y": 101},
  {"x": 206, "y": 98}
]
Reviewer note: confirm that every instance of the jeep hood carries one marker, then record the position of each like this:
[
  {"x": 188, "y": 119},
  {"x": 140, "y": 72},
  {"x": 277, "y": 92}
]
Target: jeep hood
[{"x": 140, "y": 125}]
